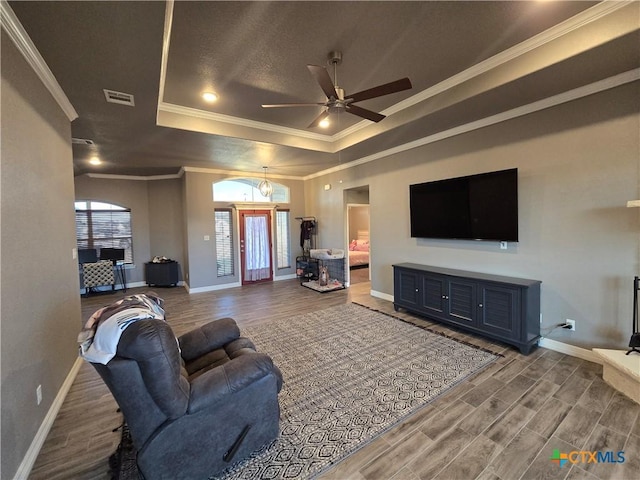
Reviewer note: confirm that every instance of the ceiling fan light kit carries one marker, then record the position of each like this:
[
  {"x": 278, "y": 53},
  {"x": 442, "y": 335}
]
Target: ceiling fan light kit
[{"x": 337, "y": 102}]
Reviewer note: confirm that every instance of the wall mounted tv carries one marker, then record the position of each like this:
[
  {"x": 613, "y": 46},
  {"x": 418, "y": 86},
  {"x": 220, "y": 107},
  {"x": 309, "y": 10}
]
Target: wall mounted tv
[{"x": 475, "y": 207}]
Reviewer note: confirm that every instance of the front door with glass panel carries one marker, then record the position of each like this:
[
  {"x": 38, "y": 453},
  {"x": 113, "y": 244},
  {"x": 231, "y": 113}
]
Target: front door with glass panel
[{"x": 255, "y": 246}]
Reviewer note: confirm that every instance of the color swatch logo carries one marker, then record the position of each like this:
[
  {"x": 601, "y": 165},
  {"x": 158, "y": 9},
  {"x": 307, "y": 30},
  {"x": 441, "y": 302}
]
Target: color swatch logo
[
  {"x": 559, "y": 458},
  {"x": 582, "y": 456}
]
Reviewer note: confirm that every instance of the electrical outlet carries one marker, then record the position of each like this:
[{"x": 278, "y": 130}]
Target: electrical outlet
[
  {"x": 39, "y": 394},
  {"x": 572, "y": 323}
]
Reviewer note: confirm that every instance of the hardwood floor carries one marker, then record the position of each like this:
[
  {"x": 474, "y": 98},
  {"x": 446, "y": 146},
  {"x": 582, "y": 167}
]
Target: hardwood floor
[
  {"x": 504, "y": 423},
  {"x": 359, "y": 275}
]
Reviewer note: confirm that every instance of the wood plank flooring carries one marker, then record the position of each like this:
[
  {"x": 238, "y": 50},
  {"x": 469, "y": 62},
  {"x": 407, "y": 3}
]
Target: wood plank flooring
[{"x": 504, "y": 423}]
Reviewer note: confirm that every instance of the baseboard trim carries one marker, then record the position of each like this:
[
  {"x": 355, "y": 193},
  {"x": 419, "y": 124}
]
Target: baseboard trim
[
  {"x": 212, "y": 288},
  {"x": 34, "y": 449},
  {"x": 224, "y": 286},
  {"x": 290, "y": 276},
  {"x": 567, "y": 349},
  {"x": 547, "y": 343},
  {"x": 382, "y": 295}
]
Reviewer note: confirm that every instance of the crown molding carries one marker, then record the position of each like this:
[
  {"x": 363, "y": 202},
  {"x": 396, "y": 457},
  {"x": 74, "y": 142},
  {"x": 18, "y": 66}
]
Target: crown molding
[
  {"x": 238, "y": 173},
  {"x": 166, "y": 42},
  {"x": 596, "y": 87},
  {"x": 593, "y": 14},
  {"x": 582, "y": 19},
  {"x": 26, "y": 47},
  {"x": 593, "y": 88},
  {"x": 108, "y": 176},
  {"x": 240, "y": 122}
]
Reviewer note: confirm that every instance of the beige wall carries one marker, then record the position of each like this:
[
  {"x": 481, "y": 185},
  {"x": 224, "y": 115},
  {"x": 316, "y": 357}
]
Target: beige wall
[
  {"x": 172, "y": 217},
  {"x": 165, "y": 219},
  {"x": 199, "y": 213},
  {"x": 133, "y": 194},
  {"x": 156, "y": 215},
  {"x": 40, "y": 306},
  {"x": 578, "y": 165}
]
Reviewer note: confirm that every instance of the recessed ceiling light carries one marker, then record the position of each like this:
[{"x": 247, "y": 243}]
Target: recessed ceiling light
[
  {"x": 95, "y": 161},
  {"x": 324, "y": 123},
  {"x": 210, "y": 97}
]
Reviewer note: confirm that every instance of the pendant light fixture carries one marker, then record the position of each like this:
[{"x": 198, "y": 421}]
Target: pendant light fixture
[{"x": 265, "y": 187}]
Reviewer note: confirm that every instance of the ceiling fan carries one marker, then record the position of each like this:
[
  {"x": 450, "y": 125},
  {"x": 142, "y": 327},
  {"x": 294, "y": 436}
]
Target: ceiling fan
[{"x": 337, "y": 102}]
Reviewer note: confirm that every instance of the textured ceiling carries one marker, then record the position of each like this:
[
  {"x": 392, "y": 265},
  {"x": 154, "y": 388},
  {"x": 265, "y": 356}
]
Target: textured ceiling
[{"x": 250, "y": 53}]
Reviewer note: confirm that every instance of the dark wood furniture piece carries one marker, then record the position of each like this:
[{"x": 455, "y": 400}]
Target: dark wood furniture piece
[
  {"x": 502, "y": 308},
  {"x": 164, "y": 274}
]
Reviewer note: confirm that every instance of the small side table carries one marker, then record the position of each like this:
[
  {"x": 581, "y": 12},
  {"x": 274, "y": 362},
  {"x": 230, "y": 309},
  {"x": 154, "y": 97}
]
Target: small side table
[{"x": 164, "y": 274}]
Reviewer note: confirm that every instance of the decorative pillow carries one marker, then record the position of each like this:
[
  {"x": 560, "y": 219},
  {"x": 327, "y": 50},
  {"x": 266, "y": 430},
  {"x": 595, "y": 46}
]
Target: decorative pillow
[
  {"x": 352, "y": 245},
  {"x": 361, "y": 248},
  {"x": 362, "y": 242}
]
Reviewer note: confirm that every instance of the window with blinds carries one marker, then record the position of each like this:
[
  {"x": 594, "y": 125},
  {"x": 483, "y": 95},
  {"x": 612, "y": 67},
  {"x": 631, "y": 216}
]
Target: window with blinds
[
  {"x": 104, "y": 225},
  {"x": 224, "y": 242},
  {"x": 283, "y": 239}
]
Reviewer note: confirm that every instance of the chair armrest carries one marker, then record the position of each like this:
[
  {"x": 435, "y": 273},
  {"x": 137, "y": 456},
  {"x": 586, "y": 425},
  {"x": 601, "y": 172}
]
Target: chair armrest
[
  {"x": 208, "y": 337},
  {"x": 223, "y": 381}
]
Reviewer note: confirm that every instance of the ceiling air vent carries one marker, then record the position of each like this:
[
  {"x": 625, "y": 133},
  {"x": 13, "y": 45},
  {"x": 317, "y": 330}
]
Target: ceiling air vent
[
  {"x": 82, "y": 141},
  {"x": 118, "y": 97}
]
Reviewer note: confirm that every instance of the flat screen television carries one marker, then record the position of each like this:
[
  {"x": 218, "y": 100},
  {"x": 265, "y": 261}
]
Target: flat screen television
[{"x": 475, "y": 207}]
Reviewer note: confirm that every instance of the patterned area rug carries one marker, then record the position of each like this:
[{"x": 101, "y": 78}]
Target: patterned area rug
[{"x": 350, "y": 373}]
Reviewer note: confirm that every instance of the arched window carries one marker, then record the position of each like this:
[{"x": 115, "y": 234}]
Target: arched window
[
  {"x": 104, "y": 225},
  {"x": 246, "y": 190}
]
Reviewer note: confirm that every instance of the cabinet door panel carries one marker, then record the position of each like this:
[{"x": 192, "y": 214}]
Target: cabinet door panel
[
  {"x": 408, "y": 292},
  {"x": 462, "y": 301},
  {"x": 499, "y": 310},
  {"x": 433, "y": 293}
]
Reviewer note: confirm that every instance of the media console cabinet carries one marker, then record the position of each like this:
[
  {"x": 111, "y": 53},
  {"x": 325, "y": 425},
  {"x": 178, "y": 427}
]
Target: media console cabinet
[{"x": 502, "y": 308}]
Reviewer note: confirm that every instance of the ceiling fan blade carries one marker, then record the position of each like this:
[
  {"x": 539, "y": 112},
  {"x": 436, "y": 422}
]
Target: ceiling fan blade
[
  {"x": 364, "y": 113},
  {"x": 324, "y": 80},
  {"x": 318, "y": 119},
  {"x": 278, "y": 105},
  {"x": 380, "y": 90}
]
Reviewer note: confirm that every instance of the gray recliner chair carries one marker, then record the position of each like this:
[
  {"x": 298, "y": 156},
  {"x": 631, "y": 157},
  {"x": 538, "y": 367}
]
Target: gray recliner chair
[{"x": 196, "y": 405}]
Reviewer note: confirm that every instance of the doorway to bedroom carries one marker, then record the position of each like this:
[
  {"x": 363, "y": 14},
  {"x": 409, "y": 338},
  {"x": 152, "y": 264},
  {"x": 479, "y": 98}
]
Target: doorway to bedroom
[{"x": 357, "y": 233}]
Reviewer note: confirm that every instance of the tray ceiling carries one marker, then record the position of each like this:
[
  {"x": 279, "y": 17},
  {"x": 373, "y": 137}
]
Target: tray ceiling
[{"x": 467, "y": 61}]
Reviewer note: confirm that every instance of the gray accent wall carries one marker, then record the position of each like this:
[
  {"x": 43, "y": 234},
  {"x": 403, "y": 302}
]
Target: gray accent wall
[
  {"x": 40, "y": 306},
  {"x": 578, "y": 166}
]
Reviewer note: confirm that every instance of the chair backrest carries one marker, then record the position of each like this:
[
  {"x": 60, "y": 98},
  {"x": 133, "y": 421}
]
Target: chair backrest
[{"x": 145, "y": 377}]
